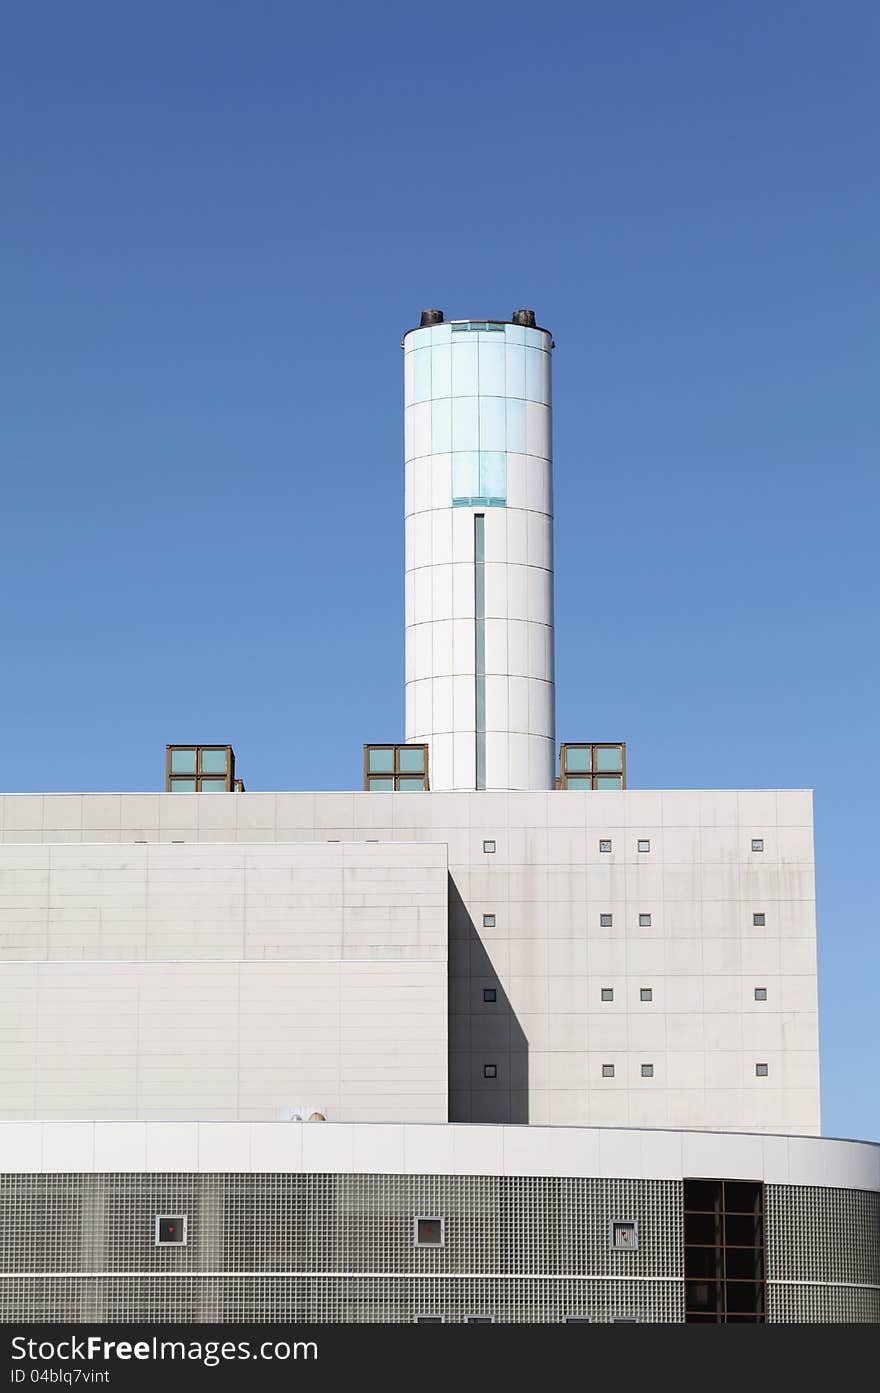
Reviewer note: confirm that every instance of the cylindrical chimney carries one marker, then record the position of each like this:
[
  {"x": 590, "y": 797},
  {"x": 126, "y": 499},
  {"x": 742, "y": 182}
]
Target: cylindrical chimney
[{"x": 479, "y": 553}]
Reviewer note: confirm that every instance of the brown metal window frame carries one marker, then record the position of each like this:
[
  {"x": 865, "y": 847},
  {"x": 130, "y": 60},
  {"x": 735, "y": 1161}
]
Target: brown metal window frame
[
  {"x": 720, "y": 1248},
  {"x": 593, "y": 774},
  {"x": 229, "y": 780},
  {"x": 396, "y": 772}
]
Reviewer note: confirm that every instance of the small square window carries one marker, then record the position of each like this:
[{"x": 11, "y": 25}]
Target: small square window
[
  {"x": 604, "y": 844},
  {"x": 644, "y": 844},
  {"x": 759, "y": 919},
  {"x": 429, "y": 1232},
  {"x": 488, "y": 847},
  {"x": 488, "y": 921},
  {"x": 647, "y": 1071},
  {"x": 490, "y": 1071},
  {"x": 646, "y": 994},
  {"x": 644, "y": 921},
  {"x": 760, "y": 993},
  {"x": 625, "y": 1234},
  {"x": 606, "y": 920},
  {"x": 607, "y": 993},
  {"x": 608, "y": 1071},
  {"x": 170, "y": 1230},
  {"x": 762, "y": 1070},
  {"x": 757, "y": 843},
  {"x": 489, "y": 994}
]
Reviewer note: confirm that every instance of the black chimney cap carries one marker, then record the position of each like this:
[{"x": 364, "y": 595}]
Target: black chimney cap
[
  {"x": 525, "y": 317},
  {"x": 430, "y": 317}
]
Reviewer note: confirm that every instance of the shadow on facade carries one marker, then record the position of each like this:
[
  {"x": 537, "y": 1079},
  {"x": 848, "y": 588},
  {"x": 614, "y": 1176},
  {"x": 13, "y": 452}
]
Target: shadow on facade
[{"x": 481, "y": 1033}]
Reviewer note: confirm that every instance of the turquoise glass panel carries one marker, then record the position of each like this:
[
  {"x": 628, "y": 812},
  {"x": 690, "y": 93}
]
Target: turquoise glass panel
[
  {"x": 213, "y": 761},
  {"x": 491, "y": 359},
  {"x": 411, "y": 761},
  {"x": 410, "y": 785},
  {"x": 577, "y": 759},
  {"x": 465, "y": 435},
  {"x": 609, "y": 759},
  {"x": 441, "y": 371},
  {"x": 609, "y": 781},
  {"x": 465, "y": 474},
  {"x": 464, "y": 368},
  {"x": 441, "y": 427},
  {"x": 515, "y": 361},
  {"x": 183, "y": 761},
  {"x": 381, "y": 785},
  {"x": 183, "y": 785},
  {"x": 516, "y": 426},
  {"x": 534, "y": 374},
  {"x": 493, "y": 474},
  {"x": 381, "y": 761},
  {"x": 213, "y": 785},
  {"x": 493, "y": 423},
  {"x": 577, "y": 781},
  {"x": 422, "y": 374}
]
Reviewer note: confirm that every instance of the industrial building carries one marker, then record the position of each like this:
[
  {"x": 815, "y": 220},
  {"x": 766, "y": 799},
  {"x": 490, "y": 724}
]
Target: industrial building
[{"x": 496, "y": 1037}]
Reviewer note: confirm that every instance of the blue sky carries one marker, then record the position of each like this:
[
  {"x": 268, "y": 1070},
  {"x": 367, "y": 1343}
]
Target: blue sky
[{"x": 218, "y": 220}]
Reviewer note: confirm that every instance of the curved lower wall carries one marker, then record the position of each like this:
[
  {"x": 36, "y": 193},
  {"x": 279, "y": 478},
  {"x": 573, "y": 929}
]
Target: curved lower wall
[{"x": 340, "y": 1247}]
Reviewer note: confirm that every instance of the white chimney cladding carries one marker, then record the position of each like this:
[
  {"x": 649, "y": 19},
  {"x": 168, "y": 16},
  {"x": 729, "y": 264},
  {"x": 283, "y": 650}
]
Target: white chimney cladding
[{"x": 479, "y": 552}]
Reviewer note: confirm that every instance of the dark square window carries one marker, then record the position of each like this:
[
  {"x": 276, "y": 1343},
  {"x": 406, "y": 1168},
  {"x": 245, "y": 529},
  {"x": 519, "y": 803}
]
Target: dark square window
[
  {"x": 757, "y": 843},
  {"x": 760, "y": 993},
  {"x": 644, "y": 844},
  {"x": 646, "y": 994},
  {"x": 429, "y": 1232},
  {"x": 608, "y": 1071},
  {"x": 644, "y": 921},
  {"x": 704, "y": 1229},
  {"x": 742, "y": 1196},
  {"x": 606, "y": 920},
  {"x": 704, "y": 1263},
  {"x": 742, "y": 1230},
  {"x": 488, "y": 921},
  {"x": 747, "y": 1297},
  {"x": 607, "y": 993},
  {"x": 488, "y": 846},
  {"x": 604, "y": 844},
  {"x": 703, "y": 1195},
  {"x": 490, "y": 1071},
  {"x": 762, "y": 1070},
  {"x": 647, "y": 1071},
  {"x": 170, "y": 1229},
  {"x": 743, "y": 1264},
  {"x": 489, "y": 994},
  {"x": 704, "y": 1297},
  {"x": 759, "y": 919}
]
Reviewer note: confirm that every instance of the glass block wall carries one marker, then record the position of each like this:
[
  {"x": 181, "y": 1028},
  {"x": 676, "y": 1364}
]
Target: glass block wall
[{"x": 341, "y": 1247}]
